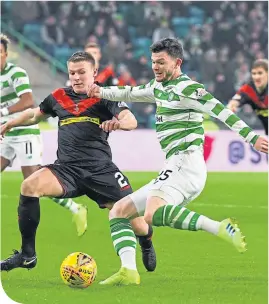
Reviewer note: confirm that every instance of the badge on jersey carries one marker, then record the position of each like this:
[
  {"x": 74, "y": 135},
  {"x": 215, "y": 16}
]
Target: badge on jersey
[{"x": 201, "y": 92}]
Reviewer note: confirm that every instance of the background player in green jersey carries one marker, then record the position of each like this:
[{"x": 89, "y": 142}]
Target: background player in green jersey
[
  {"x": 180, "y": 104},
  {"x": 25, "y": 142}
]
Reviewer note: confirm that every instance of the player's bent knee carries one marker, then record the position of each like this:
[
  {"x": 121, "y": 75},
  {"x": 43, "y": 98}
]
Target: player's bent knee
[
  {"x": 29, "y": 187},
  {"x": 122, "y": 209},
  {"x": 148, "y": 217}
]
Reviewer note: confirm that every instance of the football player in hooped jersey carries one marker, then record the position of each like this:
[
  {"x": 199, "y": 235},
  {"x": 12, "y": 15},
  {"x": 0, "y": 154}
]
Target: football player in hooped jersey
[
  {"x": 84, "y": 162},
  {"x": 181, "y": 103},
  {"x": 24, "y": 142},
  {"x": 254, "y": 93}
]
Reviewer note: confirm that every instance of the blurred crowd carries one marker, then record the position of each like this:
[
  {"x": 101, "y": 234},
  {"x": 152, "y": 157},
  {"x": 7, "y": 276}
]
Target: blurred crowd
[{"x": 221, "y": 39}]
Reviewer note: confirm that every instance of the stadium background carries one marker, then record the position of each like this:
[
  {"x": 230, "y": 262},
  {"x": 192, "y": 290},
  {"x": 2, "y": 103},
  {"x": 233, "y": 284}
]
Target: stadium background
[{"x": 221, "y": 39}]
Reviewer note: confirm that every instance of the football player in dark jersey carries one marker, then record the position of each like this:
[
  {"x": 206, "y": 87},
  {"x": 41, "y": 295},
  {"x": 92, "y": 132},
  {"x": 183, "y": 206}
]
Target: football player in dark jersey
[
  {"x": 254, "y": 93},
  {"x": 84, "y": 161}
]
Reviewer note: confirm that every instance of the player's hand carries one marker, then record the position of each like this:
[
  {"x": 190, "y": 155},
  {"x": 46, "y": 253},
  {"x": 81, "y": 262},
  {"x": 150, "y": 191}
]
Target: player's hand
[
  {"x": 261, "y": 144},
  {"x": 4, "y": 128},
  {"x": 94, "y": 91},
  {"x": 110, "y": 125}
]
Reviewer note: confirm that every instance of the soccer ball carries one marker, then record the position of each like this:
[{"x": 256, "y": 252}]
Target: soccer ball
[{"x": 78, "y": 270}]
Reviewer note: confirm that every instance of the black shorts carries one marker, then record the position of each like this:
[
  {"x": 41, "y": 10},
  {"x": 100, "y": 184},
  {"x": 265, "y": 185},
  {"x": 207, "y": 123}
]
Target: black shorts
[{"x": 103, "y": 185}]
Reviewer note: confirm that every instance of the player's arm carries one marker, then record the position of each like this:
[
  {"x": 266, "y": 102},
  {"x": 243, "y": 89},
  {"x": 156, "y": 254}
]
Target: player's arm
[
  {"x": 233, "y": 105},
  {"x": 204, "y": 102},
  {"x": 27, "y": 118},
  {"x": 21, "y": 86},
  {"x": 125, "y": 120},
  {"x": 143, "y": 93}
]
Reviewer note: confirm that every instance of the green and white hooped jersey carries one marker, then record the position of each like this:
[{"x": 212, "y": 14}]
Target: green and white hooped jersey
[
  {"x": 179, "y": 116},
  {"x": 15, "y": 82}
]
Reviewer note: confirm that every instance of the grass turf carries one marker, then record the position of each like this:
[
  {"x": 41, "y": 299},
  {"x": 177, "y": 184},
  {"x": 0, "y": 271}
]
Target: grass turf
[{"x": 192, "y": 267}]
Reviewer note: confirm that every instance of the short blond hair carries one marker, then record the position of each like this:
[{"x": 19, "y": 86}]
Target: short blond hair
[{"x": 5, "y": 41}]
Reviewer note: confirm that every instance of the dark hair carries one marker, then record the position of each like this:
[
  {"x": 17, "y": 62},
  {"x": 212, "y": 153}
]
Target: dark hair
[
  {"x": 170, "y": 45},
  {"x": 82, "y": 56},
  {"x": 260, "y": 63},
  {"x": 5, "y": 41},
  {"x": 92, "y": 45}
]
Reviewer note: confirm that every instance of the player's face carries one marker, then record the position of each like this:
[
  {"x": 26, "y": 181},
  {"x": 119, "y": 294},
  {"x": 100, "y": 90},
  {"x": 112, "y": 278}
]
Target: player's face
[
  {"x": 95, "y": 52},
  {"x": 3, "y": 57},
  {"x": 164, "y": 66},
  {"x": 259, "y": 77},
  {"x": 81, "y": 75}
]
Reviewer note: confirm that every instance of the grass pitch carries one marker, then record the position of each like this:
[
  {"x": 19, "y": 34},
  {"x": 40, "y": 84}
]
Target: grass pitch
[{"x": 192, "y": 267}]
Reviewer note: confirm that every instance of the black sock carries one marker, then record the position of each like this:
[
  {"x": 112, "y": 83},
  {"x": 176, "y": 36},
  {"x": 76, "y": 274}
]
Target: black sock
[
  {"x": 29, "y": 216},
  {"x": 145, "y": 240}
]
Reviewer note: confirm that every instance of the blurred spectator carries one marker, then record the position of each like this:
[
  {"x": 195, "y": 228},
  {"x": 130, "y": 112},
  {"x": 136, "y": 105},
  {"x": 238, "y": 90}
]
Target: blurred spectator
[
  {"x": 149, "y": 25},
  {"x": 115, "y": 49},
  {"x": 162, "y": 32},
  {"x": 23, "y": 12},
  {"x": 122, "y": 29},
  {"x": 51, "y": 34},
  {"x": 125, "y": 77},
  {"x": 143, "y": 69}
]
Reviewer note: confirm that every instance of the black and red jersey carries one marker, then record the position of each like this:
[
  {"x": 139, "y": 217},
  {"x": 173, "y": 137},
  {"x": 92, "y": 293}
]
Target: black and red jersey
[
  {"x": 80, "y": 139},
  {"x": 248, "y": 94}
]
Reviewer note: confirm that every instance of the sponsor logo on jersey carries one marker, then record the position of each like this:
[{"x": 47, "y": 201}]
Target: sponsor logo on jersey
[{"x": 159, "y": 119}]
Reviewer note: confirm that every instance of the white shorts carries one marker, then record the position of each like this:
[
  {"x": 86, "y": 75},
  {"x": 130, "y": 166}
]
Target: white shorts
[
  {"x": 28, "y": 149},
  {"x": 182, "y": 179}
]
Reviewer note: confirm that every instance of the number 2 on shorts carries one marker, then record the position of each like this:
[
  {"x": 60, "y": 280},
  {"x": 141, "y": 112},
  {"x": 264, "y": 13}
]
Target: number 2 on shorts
[{"x": 120, "y": 177}]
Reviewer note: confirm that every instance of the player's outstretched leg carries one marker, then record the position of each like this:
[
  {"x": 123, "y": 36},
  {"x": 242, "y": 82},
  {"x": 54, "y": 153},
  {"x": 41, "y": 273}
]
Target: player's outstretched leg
[
  {"x": 124, "y": 242},
  {"x": 80, "y": 213},
  {"x": 181, "y": 218},
  {"x": 29, "y": 216}
]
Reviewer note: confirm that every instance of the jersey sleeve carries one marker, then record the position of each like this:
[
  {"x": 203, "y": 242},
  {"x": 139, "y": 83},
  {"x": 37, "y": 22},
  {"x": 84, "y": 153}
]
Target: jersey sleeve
[
  {"x": 142, "y": 93},
  {"x": 20, "y": 82},
  {"x": 115, "y": 107},
  {"x": 197, "y": 98},
  {"x": 46, "y": 106}
]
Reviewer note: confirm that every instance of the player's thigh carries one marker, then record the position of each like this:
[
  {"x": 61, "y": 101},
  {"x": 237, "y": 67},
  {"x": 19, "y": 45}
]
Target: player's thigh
[
  {"x": 29, "y": 150},
  {"x": 106, "y": 187},
  {"x": 68, "y": 177},
  {"x": 8, "y": 154},
  {"x": 42, "y": 183},
  {"x": 181, "y": 180}
]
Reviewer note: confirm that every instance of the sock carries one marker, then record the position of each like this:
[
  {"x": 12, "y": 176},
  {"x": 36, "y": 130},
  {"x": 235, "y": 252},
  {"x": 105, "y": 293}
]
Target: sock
[
  {"x": 176, "y": 217},
  {"x": 124, "y": 241},
  {"x": 67, "y": 203},
  {"x": 29, "y": 217},
  {"x": 145, "y": 240},
  {"x": 206, "y": 224},
  {"x": 181, "y": 218}
]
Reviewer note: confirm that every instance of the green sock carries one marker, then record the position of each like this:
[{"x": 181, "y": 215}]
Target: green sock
[
  {"x": 122, "y": 234},
  {"x": 176, "y": 217},
  {"x": 67, "y": 203}
]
